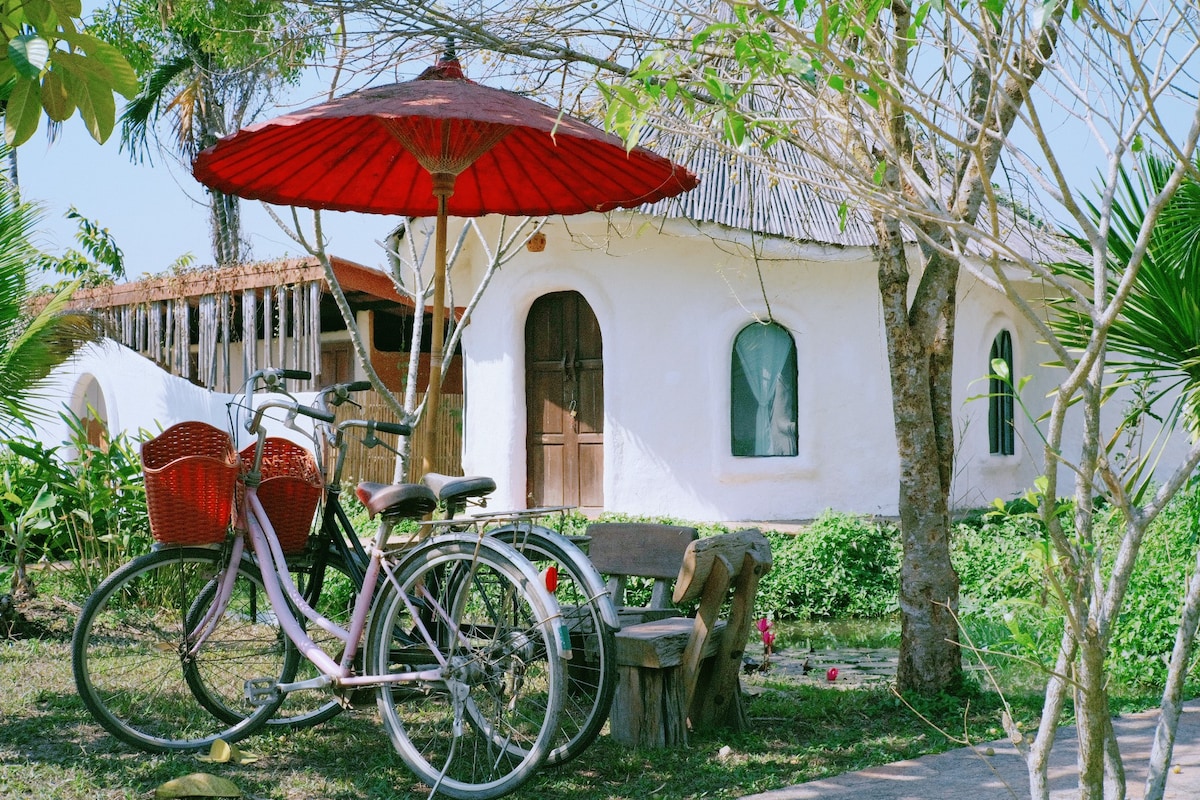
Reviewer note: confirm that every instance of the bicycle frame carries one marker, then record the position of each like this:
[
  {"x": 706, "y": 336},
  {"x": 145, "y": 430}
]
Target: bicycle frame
[{"x": 281, "y": 589}]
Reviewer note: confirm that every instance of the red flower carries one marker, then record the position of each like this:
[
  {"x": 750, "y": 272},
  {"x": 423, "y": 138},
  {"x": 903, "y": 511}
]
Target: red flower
[{"x": 831, "y": 675}]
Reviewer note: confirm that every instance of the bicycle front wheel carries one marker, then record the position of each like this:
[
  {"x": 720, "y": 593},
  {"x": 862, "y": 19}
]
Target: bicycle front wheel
[
  {"x": 130, "y": 651},
  {"x": 476, "y": 610}
]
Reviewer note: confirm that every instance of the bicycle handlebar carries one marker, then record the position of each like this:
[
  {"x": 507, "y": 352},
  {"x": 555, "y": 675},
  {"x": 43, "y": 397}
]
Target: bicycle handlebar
[
  {"x": 273, "y": 378},
  {"x": 339, "y": 393},
  {"x": 399, "y": 428},
  {"x": 291, "y": 406}
]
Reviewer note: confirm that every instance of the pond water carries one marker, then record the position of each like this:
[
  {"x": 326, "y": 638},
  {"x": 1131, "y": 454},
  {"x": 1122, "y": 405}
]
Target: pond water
[{"x": 862, "y": 650}]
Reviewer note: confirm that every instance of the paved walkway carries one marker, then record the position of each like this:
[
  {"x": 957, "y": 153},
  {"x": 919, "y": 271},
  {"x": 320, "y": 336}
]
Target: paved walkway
[{"x": 971, "y": 774}]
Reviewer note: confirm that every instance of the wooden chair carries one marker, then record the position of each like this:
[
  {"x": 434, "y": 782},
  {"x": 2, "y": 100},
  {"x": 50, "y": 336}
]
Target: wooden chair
[{"x": 679, "y": 670}]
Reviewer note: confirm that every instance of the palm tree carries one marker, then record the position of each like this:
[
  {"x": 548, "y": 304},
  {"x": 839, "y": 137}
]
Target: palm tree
[
  {"x": 207, "y": 69},
  {"x": 32, "y": 343},
  {"x": 1157, "y": 336}
]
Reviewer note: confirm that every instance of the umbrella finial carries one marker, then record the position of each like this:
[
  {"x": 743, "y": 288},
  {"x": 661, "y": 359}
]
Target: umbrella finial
[{"x": 447, "y": 67}]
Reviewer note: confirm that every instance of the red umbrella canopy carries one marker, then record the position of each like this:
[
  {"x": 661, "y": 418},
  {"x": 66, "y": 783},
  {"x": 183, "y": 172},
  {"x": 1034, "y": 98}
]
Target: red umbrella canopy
[{"x": 377, "y": 150}]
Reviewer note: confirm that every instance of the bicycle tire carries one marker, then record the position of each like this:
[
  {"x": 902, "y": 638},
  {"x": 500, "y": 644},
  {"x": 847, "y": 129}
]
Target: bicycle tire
[
  {"x": 128, "y": 651},
  {"x": 483, "y": 729},
  {"x": 333, "y": 595},
  {"x": 592, "y": 669}
]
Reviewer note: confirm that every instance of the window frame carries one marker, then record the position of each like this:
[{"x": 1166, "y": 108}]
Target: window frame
[
  {"x": 741, "y": 394},
  {"x": 1002, "y": 426}
]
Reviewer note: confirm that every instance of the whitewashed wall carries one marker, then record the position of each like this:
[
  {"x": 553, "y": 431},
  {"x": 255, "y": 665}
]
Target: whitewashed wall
[
  {"x": 132, "y": 394},
  {"x": 669, "y": 302}
]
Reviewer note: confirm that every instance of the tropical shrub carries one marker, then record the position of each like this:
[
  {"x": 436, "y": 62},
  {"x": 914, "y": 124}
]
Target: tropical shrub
[
  {"x": 1144, "y": 633},
  {"x": 93, "y": 507},
  {"x": 841, "y": 565}
]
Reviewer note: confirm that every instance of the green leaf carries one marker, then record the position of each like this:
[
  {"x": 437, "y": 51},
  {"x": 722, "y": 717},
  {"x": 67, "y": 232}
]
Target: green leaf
[
  {"x": 107, "y": 61},
  {"x": 91, "y": 92},
  {"x": 837, "y": 83},
  {"x": 735, "y": 129},
  {"x": 37, "y": 12},
  {"x": 68, "y": 8},
  {"x": 29, "y": 54},
  {"x": 871, "y": 97},
  {"x": 843, "y": 214},
  {"x": 45, "y": 499},
  {"x": 672, "y": 89},
  {"x": 55, "y": 99},
  {"x": 23, "y": 112},
  {"x": 919, "y": 17},
  {"x": 1138, "y": 144},
  {"x": 880, "y": 171}
]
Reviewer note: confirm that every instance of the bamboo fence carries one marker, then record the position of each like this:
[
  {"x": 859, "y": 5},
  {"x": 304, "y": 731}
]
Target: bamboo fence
[{"x": 379, "y": 463}]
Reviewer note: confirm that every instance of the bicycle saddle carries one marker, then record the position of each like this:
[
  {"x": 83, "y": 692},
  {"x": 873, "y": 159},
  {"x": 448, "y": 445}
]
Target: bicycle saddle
[
  {"x": 409, "y": 500},
  {"x": 450, "y": 489}
]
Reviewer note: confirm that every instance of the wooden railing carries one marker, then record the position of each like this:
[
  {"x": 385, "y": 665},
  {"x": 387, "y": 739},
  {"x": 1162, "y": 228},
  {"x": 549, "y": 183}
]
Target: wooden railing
[{"x": 379, "y": 464}]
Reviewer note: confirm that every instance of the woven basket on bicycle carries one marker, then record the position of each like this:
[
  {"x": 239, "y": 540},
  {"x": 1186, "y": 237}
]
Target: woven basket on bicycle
[
  {"x": 290, "y": 490},
  {"x": 191, "y": 470}
]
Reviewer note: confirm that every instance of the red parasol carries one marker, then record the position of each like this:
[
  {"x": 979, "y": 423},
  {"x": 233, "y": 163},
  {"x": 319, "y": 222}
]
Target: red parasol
[{"x": 437, "y": 145}]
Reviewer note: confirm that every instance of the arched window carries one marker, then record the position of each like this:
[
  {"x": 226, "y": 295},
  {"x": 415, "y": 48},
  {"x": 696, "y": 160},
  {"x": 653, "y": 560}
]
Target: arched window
[
  {"x": 763, "y": 393},
  {"x": 1001, "y": 426}
]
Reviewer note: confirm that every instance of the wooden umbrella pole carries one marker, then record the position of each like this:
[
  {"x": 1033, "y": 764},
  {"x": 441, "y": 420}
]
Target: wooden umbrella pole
[{"x": 443, "y": 187}]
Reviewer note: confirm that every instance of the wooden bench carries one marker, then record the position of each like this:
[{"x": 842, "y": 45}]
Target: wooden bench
[
  {"x": 677, "y": 670},
  {"x": 624, "y": 550}
]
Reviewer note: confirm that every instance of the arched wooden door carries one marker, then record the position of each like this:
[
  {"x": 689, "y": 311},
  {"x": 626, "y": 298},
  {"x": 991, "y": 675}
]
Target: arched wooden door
[{"x": 564, "y": 391}]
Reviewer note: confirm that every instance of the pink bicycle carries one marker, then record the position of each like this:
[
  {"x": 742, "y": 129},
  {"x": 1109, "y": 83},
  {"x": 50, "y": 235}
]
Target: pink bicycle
[{"x": 456, "y": 633}]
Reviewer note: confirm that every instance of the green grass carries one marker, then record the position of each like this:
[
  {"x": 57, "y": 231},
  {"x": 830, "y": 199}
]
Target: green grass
[{"x": 50, "y": 748}]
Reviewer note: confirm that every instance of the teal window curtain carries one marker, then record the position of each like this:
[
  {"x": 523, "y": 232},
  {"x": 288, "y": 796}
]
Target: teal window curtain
[
  {"x": 1001, "y": 402},
  {"x": 763, "y": 407}
]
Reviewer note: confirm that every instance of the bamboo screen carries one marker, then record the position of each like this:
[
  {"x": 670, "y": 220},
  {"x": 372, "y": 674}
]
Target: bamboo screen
[{"x": 378, "y": 463}]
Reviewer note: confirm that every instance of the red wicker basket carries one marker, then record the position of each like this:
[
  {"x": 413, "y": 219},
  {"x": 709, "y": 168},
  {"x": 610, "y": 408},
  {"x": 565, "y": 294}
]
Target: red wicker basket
[
  {"x": 191, "y": 470},
  {"x": 290, "y": 490}
]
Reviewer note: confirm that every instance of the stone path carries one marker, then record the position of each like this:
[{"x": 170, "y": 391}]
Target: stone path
[{"x": 989, "y": 771}]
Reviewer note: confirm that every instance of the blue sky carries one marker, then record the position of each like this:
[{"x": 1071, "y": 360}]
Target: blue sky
[{"x": 156, "y": 211}]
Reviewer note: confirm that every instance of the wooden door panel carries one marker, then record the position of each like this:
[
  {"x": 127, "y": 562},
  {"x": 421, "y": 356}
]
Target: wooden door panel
[
  {"x": 564, "y": 383},
  {"x": 590, "y": 401},
  {"x": 591, "y": 475},
  {"x": 545, "y": 404}
]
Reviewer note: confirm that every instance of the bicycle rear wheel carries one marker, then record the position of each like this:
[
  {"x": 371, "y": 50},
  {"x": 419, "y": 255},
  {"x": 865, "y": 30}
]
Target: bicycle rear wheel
[
  {"x": 130, "y": 651},
  {"x": 331, "y": 591},
  {"x": 592, "y": 670},
  {"x": 484, "y": 727}
]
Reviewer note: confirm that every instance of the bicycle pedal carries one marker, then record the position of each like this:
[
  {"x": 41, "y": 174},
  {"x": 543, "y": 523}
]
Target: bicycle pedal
[{"x": 261, "y": 691}]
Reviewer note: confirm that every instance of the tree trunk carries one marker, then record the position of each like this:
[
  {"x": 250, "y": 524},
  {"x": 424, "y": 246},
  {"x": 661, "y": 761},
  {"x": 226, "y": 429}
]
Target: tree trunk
[
  {"x": 1094, "y": 723},
  {"x": 225, "y": 219},
  {"x": 930, "y": 658}
]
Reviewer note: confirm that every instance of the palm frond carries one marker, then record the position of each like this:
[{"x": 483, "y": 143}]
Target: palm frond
[
  {"x": 49, "y": 338},
  {"x": 1158, "y": 330},
  {"x": 143, "y": 111}
]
